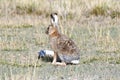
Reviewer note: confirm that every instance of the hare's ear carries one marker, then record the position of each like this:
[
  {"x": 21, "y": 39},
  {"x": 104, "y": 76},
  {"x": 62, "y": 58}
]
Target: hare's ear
[{"x": 54, "y": 19}]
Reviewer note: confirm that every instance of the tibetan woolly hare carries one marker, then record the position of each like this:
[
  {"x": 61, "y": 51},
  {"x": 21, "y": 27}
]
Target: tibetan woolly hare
[{"x": 62, "y": 46}]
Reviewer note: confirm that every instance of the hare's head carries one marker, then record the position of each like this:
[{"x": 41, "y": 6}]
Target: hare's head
[
  {"x": 54, "y": 19},
  {"x": 52, "y": 31}
]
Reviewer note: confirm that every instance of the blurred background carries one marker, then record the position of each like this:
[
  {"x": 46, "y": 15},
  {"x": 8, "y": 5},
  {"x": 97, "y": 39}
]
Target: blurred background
[{"x": 93, "y": 24}]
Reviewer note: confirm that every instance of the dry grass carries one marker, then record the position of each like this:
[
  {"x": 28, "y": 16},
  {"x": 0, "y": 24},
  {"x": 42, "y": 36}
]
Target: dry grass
[{"x": 93, "y": 24}]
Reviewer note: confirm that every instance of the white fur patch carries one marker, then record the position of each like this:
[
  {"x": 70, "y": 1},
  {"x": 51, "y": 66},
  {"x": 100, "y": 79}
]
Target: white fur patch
[
  {"x": 49, "y": 53},
  {"x": 75, "y": 61}
]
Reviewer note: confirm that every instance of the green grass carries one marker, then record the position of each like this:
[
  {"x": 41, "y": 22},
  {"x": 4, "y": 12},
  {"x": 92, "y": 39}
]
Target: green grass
[
  {"x": 22, "y": 35},
  {"x": 115, "y": 14},
  {"x": 99, "y": 10},
  {"x": 16, "y": 26},
  {"x": 15, "y": 64},
  {"x": 104, "y": 10}
]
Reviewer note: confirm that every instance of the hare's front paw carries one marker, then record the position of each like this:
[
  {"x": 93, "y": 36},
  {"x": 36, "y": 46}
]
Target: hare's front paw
[{"x": 53, "y": 63}]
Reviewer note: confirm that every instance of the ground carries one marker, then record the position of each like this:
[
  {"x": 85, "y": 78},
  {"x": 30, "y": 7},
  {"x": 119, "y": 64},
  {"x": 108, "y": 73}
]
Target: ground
[{"x": 94, "y": 26}]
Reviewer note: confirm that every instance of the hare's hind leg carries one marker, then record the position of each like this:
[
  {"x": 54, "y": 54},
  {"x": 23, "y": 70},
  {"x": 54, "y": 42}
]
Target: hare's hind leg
[{"x": 60, "y": 64}]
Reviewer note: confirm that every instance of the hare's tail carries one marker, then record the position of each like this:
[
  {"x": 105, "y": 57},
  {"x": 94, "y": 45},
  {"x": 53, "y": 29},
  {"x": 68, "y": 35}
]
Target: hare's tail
[{"x": 75, "y": 61}]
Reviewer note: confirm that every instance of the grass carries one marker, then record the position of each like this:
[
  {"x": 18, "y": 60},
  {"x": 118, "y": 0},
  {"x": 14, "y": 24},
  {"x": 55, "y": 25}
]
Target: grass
[
  {"x": 103, "y": 58},
  {"x": 93, "y": 25},
  {"x": 99, "y": 10},
  {"x": 15, "y": 64},
  {"x": 104, "y": 10}
]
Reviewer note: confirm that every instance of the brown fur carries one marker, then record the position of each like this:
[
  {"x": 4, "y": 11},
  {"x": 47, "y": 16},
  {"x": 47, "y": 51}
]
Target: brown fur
[
  {"x": 52, "y": 31},
  {"x": 61, "y": 44}
]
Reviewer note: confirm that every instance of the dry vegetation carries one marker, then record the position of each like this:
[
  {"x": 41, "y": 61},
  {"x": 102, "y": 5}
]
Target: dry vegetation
[{"x": 93, "y": 24}]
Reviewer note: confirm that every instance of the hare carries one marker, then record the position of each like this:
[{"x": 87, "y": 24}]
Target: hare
[{"x": 63, "y": 47}]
